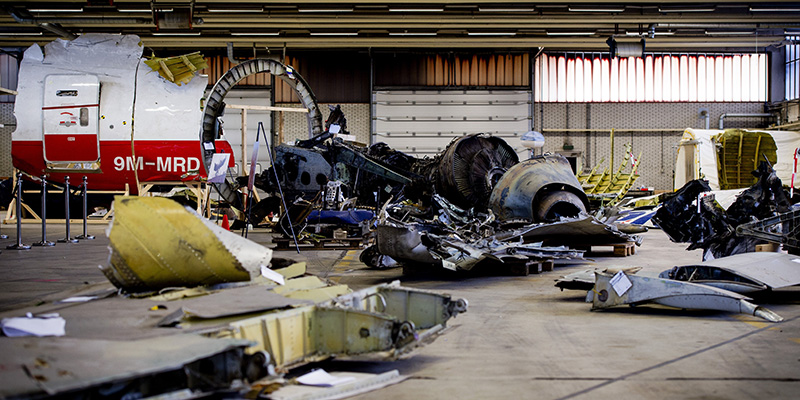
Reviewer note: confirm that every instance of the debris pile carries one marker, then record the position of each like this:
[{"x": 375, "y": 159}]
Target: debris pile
[
  {"x": 243, "y": 319},
  {"x": 454, "y": 210},
  {"x": 690, "y": 215},
  {"x": 456, "y": 239}
]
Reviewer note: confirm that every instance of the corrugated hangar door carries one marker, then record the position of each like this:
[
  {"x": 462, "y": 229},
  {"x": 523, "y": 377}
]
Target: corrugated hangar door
[{"x": 423, "y": 122}]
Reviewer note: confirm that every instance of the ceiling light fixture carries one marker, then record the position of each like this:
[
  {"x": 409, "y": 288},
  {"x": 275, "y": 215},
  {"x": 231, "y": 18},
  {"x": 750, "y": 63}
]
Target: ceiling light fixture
[
  {"x": 412, "y": 33},
  {"x": 135, "y": 10},
  {"x": 668, "y": 9},
  {"x": 324, "y": 10},
  {"x": 491, "y": 33},
  {"x": 558, "y": 33},
  {"x": 722, "y": 33},
  {"x": 176, "y": 34},
  {"x": 43, "y": 10},
  {"x": 493, "y": 9},
  {"x": 334, "y": 33},
  {"x": 235, "y": 10},
  {"x": 598, "y": 9},
  {"x": 20, "y": 33},
  {"x": 662, "y": 33},
  {"x": 416, "y": 9},
  {"x": 774, "y": 9},
  {"x": 255, "y": 33}
]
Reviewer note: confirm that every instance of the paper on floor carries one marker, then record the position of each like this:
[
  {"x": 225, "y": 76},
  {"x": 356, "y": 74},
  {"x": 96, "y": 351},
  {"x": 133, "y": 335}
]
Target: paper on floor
[
  {"x": 320, "y": 377},
  {"x": 45, "y": 325}
]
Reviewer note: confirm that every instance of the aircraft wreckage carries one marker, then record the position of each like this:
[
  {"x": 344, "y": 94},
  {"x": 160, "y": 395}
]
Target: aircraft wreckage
[
  {"x": 760, "y": 213},
  {"x": 474, "y": 202},
  {"x": 215, "y": 313},
  {"x": 713, "y": 285}
]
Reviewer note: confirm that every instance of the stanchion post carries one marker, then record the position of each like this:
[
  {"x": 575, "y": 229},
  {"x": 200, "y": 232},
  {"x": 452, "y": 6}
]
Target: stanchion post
[
  {"x": 19, "y": 245},
  {"x": 85, "y": 235},
  {"x": 66, "y": 238},
  {"x": 44, "y": 241}
]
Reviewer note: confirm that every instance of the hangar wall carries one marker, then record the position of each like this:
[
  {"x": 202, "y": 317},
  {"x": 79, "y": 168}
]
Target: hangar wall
[
  {"x": 8, "y": 80},
  {"x": 661, "y": 123},
  {"x": 661, "y": 127}
]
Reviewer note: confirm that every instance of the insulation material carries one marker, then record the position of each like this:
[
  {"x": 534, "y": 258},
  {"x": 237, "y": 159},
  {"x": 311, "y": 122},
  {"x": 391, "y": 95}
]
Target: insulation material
[
  {"x": 697, "y": 155},
  {"x": 738, "y": 153},
  {"x": 178, "y": 69}
]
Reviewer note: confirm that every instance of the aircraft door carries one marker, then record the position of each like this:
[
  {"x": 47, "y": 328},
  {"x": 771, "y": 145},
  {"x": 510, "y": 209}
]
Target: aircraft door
[{"x": 70, "y": 118}]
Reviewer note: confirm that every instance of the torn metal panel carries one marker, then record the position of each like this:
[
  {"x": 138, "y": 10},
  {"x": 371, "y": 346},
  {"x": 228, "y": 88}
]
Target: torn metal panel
[
  {"x": 425, "y": 309},
  {"x": 613, "y": 290},
  {"x": 585, "y": 230},
  {"x": 157, "y": 243},
  {"x": 742, "y": 273},
  {"x": 315, "y": 333},
  {"x": 404, "y": 243},
  {"x": 455, "y": 239},
  {"x": 683, "y": 220},
  {"x": 311, "y": 288},
  {"x": 231, "y": 302},
  {"x": 541, "y": 189},
  {"x": 383, "y": 322},
  {"x": 584, "y": 280},
  {"x": 411, "y": 243},
  {"x": 36, "y": 367}
]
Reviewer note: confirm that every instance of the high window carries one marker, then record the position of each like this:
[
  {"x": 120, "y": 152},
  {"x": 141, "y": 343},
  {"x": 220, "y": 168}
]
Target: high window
[
  {"x": 793, "y": 68},
  {"x": 593, "y": 77}
]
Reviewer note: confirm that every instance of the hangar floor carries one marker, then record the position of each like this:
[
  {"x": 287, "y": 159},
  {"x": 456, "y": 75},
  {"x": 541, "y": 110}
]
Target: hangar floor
[{"x": 521, "y": 338}]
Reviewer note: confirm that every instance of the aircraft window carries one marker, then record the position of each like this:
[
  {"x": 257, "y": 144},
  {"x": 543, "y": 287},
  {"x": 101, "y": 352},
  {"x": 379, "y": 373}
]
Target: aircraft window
[
  {"x": 84, "y": 116},
  {"x": 66, "y": 93}
]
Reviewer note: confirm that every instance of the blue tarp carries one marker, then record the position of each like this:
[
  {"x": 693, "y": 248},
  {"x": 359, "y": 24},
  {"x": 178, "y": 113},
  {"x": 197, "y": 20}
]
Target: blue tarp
[{"x": 352, "y": 217}]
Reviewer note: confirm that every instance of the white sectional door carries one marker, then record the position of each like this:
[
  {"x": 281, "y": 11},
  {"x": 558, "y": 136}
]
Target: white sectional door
[{"x": 423, "y": 122}]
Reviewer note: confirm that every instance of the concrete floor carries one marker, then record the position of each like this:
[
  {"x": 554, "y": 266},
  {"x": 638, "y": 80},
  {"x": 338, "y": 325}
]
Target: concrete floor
[{"x": 521, "y": 338}]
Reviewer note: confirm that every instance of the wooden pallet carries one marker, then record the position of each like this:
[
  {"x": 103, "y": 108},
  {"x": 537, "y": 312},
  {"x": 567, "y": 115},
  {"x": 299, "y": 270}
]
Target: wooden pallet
[
  {"x": 620, "y": 249},
  {"x": 531, "y": 267},
  {"x": 321, "y": 244}
]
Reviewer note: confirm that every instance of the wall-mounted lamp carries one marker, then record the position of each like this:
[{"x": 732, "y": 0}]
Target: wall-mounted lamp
[{"x": 625, "y": 49}]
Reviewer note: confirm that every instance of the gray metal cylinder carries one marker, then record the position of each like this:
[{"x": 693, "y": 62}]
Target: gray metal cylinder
[{"x": 541, "y": 189}]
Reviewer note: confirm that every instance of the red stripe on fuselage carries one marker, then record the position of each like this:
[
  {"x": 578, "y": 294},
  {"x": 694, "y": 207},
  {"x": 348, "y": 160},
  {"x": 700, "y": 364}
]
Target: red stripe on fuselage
[{"x": 162, "y": 160}]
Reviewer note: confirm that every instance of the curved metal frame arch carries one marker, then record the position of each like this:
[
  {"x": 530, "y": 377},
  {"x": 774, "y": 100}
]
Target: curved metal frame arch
[{"x": 226, "y": 82}]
